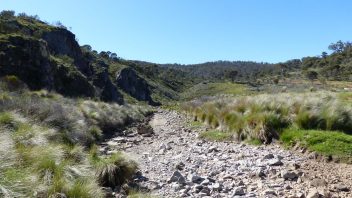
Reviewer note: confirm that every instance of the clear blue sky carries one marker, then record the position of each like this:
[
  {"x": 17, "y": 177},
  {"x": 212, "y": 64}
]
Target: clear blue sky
[{"x": 194, "y": 31}]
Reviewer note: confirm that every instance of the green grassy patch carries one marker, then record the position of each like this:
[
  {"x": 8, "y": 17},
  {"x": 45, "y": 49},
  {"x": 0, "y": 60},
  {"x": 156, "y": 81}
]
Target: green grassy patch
[
  {"x": 255, "y": 142},
  {"x": 6, "y": 119},
  {"x": 212, "y": 89},
  {"x": 172, "y": 106},
  {"x": 328, "y": 143},
  {"x": 195, "y": 124},
  {"x": 215, "y": 135},
  {"x": 345, "y": 96}
]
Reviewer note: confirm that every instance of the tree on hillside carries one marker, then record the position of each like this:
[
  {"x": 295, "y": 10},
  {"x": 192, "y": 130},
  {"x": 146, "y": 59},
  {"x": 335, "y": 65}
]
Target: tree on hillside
[
  {"x": 312, "y": 75},
  {"x": 113, "y": 56},
  {"x": 7, "y": 14},
  {"x": 340, "y": 46},
  {"x": 231, "y": 75}
]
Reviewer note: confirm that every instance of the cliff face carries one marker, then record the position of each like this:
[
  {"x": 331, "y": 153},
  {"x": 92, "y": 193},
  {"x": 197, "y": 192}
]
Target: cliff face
[
  {"x": 129, "y": 81},
  {"x": 47, "y": 57},
  {"x": 63, "y": 42},
  {"x": 28, "y": 59}
]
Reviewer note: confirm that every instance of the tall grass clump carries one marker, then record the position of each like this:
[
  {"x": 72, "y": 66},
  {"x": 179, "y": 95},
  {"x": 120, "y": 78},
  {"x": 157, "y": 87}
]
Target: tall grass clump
[
  {"x": 263, "y": 117},
  {"x": 114, "y": 170},
  {"x": 45, "y": 142}
]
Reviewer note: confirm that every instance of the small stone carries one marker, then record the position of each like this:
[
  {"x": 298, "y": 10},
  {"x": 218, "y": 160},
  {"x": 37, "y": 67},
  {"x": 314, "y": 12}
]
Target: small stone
[
  {"x": 269, "y": 192},
  {"x": 300, "y": 195},
  {"x": 289, "y": 175},
  {"x": 177, "y": 177},
  {"x": 212, "y": 149},
  {"x": 275, "y": 162},
  {"x": 279, "y": 157},
  {"x": 177, "y": 186},
  {"x": 217, "y": 187},
  {"x": 205, "y": 182},
  {"x": 240, "y": 183},
  {"x": 259, "y": 173},
  {"x": 184, "y": 191},
  {"x": 313, "y": 155},
  {"x": 180, "y": 166},
  {"x": 197, "y": 188},
  {"x": 268, "y": 156},
  {"x": 162, "y": 151},
  {"x": 341, "y": 187},
  {"x": 119, "y": 139},
  {"x": 205, "y": 190},
  {"x": 316, "y": 182},
  {"x": 228, "y": 176},
  {"x": 239, "y": 191},
  {"x": 294, "y": 166},
  {"x": 195, "y": 178},
  {"x": 313, "y": 193},
  {"x": 288, "y": 187},
  {"x": 162, "y": 146}
]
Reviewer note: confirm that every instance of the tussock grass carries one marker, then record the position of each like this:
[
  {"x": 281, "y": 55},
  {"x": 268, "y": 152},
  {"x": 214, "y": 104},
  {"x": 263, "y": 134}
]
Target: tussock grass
[
  {"x": 45, "y": 140},
  {"x": 264, "y": 117},
  {"x": 7, "y": 120},
  {"x": 114, "y": 170}
]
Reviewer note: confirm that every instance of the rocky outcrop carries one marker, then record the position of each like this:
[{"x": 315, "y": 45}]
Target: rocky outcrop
[
  {"x": 63, "y": 42},
  {"x": 47, "y": 57},
  {"x": 72, "y": 83},
  {"x": 28, "y": 59},
  {"x": 129, "y": 81},
  {"x": 107, "y": 90}
]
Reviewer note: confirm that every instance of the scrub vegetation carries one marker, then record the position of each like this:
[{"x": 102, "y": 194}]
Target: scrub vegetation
[{"x": 48, "y": 141}]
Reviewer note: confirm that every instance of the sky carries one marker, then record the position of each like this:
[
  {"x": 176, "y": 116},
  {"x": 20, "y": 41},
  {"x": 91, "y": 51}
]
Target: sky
[{"x": 196, "y": 31}]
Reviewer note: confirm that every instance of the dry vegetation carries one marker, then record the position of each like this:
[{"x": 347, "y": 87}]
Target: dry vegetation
[{"x": 47, "y": 143}]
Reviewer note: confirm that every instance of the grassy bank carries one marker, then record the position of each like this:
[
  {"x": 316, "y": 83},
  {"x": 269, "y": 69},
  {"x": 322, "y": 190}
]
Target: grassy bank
[
  {"x": 265, "y": 117},
  {"x": 213, "y": 89},
  {"x": 334, "y": 144},
  {"x": 47, "y": 143}
]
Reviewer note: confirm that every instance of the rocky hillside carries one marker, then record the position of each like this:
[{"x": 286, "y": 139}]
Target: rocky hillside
[{"x": 49, "y": 57}]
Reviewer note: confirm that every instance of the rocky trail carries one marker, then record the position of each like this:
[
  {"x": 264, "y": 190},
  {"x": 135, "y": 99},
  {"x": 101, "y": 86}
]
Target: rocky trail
[{"x": 174, "y": 162}]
